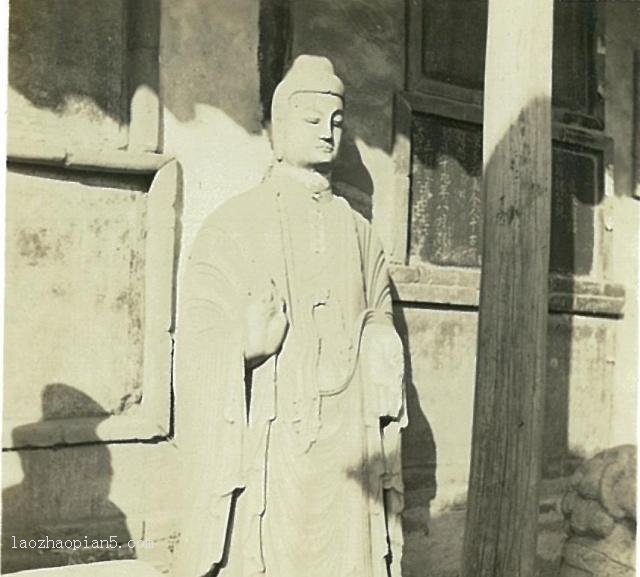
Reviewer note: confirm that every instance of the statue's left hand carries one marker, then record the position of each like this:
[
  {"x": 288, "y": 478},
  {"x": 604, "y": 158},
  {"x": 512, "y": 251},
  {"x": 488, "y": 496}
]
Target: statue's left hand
[{"x": 383, "y": 364}]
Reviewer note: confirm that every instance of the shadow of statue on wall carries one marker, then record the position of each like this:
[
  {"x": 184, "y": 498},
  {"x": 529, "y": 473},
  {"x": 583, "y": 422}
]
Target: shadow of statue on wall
[
  {"x": 60, "y": 513},
  {"x": 419, "y": 448},
  {"x": 352, "y": 179}
]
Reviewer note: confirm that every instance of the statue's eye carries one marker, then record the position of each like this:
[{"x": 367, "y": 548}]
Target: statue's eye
[{"x": 312, "y": 120}]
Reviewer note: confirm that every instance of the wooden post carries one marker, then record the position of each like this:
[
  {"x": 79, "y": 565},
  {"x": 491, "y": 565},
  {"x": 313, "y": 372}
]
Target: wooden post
[
  {"x": 502, "y": 516},
  {"x": 636, "y": 123}
]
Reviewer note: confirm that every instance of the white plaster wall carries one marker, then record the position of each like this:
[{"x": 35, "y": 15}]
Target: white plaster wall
[{"x": 211, "y": 109}]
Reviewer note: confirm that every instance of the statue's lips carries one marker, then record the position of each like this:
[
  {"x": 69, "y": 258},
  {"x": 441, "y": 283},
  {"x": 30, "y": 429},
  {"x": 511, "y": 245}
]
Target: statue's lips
[{"x": 325, "y": 148}]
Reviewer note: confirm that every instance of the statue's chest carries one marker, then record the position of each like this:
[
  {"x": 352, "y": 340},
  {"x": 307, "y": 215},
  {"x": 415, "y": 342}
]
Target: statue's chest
[{"x": 312, "y": 253}]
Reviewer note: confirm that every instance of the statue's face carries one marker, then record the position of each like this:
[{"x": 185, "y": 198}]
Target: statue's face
[{"x": 314, "y": 129}]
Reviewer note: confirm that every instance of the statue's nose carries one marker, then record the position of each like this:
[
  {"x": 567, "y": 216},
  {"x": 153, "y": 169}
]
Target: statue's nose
[{"x": 326, "y": 132}]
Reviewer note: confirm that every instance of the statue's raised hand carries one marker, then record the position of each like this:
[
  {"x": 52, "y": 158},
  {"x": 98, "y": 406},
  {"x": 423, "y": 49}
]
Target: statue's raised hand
[{"x": 265, "y": 326}]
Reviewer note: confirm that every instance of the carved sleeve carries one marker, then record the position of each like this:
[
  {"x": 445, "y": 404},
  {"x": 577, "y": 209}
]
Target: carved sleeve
[
  {"x": 209, "y": 398},
  {"x": 377, "y": 277},
  {"x": 383, "y": 372}
]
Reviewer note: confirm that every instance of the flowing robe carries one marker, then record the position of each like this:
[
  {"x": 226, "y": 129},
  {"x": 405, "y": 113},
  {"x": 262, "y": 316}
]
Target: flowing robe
[{"x": 288, "y": 469}]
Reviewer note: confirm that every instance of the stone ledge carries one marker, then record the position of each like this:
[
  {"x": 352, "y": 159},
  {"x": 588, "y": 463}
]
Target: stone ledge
[
  {"x": 461, "y": 287},
  {"x": 118, "y": 161},
  {"x": 128, "y": 568}
]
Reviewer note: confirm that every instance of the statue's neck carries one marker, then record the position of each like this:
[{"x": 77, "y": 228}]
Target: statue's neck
[{"x": 316, "y": 182}]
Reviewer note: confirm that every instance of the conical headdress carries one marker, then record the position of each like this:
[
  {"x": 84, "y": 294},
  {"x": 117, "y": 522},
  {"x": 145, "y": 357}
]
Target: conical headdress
[{"x": 307, "y": 74}]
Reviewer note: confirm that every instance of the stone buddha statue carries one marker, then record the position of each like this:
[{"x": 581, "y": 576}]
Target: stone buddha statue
[{"x": 289, "y": 394}]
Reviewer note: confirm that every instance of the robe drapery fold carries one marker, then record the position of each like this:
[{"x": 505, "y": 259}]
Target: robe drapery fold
[{"x": 287, "y": 468}]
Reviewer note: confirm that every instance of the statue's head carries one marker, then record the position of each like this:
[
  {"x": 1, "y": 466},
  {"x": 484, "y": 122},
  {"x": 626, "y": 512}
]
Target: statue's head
[{"x": 307, "y": 114}]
